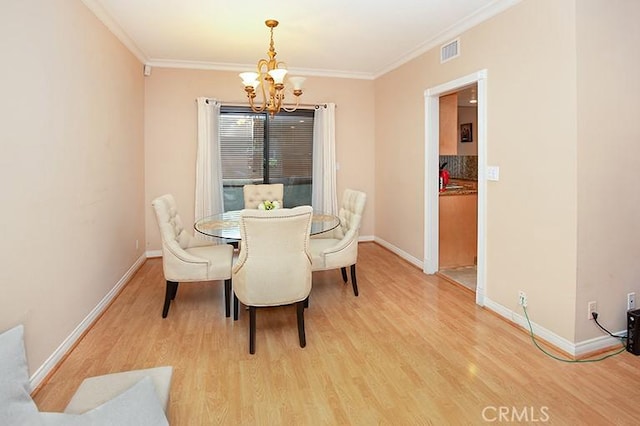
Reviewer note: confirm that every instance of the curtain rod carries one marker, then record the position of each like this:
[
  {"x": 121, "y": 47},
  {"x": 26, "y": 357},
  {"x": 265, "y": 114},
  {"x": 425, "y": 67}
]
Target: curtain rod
[{"x": 245, "y": 104}]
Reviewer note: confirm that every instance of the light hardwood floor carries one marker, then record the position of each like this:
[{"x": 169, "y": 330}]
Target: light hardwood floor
[{"x": 411, "y": 349}]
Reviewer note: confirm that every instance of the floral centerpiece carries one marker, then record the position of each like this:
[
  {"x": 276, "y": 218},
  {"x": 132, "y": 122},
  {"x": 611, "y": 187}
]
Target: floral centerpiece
[{"x": 269, "y": 205}]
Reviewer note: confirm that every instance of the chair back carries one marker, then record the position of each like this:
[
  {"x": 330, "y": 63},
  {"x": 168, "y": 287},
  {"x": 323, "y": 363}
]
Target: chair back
[
  {"x": 350, "y": 213},
  {"x": 171, "y": 229},
  {"x": 256, "y": 194},
  {"x": 274, "y": 264}
]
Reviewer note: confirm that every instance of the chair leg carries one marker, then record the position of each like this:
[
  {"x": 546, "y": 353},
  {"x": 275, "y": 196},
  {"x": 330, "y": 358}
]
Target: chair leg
[
  {"x": 252, "y": 330},
  {"x": 300, "y": 312},
  {"x": 354, "y": 282},
  {"x": 306, "y": 302},
  {"x": 174, "y": 291},
  {"x": 344, "y": 274},
  {"x": 235, "y": 307},
  {"x": 227, "y": 298},
  {"x": 170, "y": 294}
]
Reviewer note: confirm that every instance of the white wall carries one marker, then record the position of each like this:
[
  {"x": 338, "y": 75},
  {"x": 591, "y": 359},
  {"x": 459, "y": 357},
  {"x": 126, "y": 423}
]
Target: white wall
[
  {"x": 608, "y": 153},
  {"x": 71, "y": 130},
  {"x": 528, "y": 52}
]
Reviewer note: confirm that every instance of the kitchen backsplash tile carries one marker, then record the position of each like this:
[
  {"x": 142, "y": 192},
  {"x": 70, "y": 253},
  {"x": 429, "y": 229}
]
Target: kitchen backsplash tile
[{"x": 461, "y": 166}]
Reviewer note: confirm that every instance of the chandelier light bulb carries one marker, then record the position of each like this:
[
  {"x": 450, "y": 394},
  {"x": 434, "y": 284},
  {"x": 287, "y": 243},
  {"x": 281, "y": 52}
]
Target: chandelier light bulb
[
  {"x": 278, "y": 75},
  {"x": 297, "y": 82},
  {"x": 249, "y": 79}
]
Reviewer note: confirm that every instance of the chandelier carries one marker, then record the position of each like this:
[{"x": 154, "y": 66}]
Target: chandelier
[{"x": 270, "y": 79}]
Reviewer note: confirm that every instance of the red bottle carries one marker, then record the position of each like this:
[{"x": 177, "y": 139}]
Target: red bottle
[{"x": 444, "y": 179}]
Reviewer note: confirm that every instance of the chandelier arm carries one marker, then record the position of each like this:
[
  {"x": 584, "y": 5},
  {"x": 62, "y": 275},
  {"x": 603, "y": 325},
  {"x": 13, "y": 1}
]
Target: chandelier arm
[
  {"x": 294, "y": 108},
  {"x": 254, "y": 108},
  {"x": 264, "y": 95},
  {"x": 262, "y": 63}
]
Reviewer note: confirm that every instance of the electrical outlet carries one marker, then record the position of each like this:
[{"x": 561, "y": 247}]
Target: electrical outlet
[
  {"x": 522, "y": 298},
  {"x": 631, "y": 301},
  {"x": 137, "y": 244},
  {"x": 591, "y": 308}
]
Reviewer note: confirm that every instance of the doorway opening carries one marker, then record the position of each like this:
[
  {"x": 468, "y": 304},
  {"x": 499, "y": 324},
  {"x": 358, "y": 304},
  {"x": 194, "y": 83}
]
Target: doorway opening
[
  {"x": 432, "y": 175},
  {"x": 458, "y": 200}
]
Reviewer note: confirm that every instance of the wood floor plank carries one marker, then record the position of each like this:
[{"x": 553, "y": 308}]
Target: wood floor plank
[{"x": 411, "y": 349}]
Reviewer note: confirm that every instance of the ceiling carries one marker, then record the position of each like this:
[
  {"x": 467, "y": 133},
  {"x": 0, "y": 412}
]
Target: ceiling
[
  {"x": 466, "y": 94},
  {"x": 342, "y": 38}
]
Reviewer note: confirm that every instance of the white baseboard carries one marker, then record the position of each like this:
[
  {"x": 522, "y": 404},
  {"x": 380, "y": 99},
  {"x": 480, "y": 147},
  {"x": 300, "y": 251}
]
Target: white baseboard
[
  {"x": 598, "y": 343},
  {"x": 154, "y": 253},
  {"x": 57, "y": 356},
  {"x": 550, "y": 337},
  {"x": 575, "y": 349},
  {"x": 403, "y": 254}
]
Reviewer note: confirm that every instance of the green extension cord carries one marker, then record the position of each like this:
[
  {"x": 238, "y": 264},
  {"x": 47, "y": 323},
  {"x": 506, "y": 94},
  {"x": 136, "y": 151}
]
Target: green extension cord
[{"x": 563, "y": 359}]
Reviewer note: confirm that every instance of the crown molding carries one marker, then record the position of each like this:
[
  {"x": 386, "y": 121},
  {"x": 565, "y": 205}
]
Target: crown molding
[
  {"x": 217, "y": 66},
  {"x": 487, "y": 12},
  {"x": 116, "y": 29}
]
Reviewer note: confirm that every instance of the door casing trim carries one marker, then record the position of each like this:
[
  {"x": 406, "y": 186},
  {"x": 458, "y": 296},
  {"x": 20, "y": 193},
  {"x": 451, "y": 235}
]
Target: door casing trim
[{"x": 431, "y": 162}]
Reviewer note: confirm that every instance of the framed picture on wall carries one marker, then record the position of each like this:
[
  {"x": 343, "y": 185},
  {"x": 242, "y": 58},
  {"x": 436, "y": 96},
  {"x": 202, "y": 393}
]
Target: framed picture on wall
[{"x": 466, "y": 132}]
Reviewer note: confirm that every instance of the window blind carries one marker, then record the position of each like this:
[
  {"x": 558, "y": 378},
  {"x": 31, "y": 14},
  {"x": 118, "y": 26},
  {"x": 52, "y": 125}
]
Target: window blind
[{"x": 262, "y": 149}]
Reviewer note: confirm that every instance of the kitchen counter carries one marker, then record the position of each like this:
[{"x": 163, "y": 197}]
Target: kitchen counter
[
  {"x": 460, "y": 187},
  {"x": 458, "y": 224}
]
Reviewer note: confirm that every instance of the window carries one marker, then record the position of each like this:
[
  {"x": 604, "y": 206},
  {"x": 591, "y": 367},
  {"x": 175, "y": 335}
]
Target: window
[{"x": 256, "y": 148}]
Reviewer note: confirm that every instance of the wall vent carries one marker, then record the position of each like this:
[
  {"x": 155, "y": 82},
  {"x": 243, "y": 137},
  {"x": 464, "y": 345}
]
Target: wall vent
[{"x": 450, "y": 50}]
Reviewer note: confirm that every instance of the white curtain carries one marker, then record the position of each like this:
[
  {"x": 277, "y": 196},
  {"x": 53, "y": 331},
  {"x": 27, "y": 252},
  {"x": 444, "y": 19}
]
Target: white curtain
[
  {"x": 324, "y": 191},
  {"x": 208, "y": 164}
]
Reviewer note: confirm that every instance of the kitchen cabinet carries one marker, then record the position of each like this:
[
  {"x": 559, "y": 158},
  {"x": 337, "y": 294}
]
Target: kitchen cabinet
[
  {"x": 449, "y": 124},
  {"x": 458, "y": 215}
]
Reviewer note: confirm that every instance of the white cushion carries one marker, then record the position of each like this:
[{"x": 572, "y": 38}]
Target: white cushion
[
  {"x": 59, "y": 419},
  {"x": 132, "y": 398},
  {"x": 219, "y": 261},
  {"x": 16, "y": 405},
  {"x": 97, "y": 390},
  {"x": 317, "y": 248},
  {"x": 137, "y": 406}
]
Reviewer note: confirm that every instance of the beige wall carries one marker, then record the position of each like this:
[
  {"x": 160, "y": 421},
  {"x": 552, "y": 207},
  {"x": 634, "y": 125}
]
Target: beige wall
[
  {"x": 71, "y": 130},
  {"x": 608, "y": 38},
  {"x": 529, "y": 53},
  {"x": 171, "y": 131}
]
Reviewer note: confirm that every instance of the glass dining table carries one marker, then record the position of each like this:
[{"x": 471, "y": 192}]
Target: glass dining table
[{"x": 227, "y": 225}]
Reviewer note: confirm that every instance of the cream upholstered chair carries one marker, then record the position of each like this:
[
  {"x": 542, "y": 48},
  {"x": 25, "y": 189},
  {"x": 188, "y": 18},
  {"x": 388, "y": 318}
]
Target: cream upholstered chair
[
  {"x": 339, "y": 247},
  {"x": 256, "y": 194},
  {"x": 187, "y": 259},
  {"x": 274, "y": 264}
]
